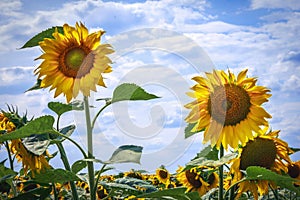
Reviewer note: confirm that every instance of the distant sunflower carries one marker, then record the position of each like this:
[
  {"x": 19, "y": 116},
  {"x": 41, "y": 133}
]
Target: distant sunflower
[
  {"x": 5, "y": 124},
  {"x": 199, "y": 179},
  {"x": 294, "y": 171},
  {"x": 34, "y": 163},
  {"x": 162, "y": 175},
  {"x": 73, "y": 61},
  {"x": 227, "y": 108},
  {"x": 265, "y": 150}
]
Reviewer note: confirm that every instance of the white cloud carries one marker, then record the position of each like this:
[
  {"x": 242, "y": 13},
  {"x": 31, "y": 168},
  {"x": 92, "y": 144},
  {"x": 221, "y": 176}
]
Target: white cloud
[{"x": 288, "y": 4}]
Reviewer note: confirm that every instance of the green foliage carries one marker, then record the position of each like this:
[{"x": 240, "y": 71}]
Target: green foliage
[
  {"x": 37, "y": 144},
  {"x": 41, "y": 125},
  {"x": 173, "y": 193},
  {"x": 6, "y": 173},
  {"x": 36, "y": 86},
  {"x": 60, "y": 108},
  {"x": 188, "y": 130},
  {"x": 126, "y": 153},
  {"x": 78, "y": 166},
  {"x": 67, "y": 131},
  {"x": 260, "y": 173},
  {"x": 37, "y": 193},
  {"x": 203, "y": 161},
  {"x": 129, "y": 91},
  {"x": 55, "y": 176},
  {"x": 34, "y": 41}
]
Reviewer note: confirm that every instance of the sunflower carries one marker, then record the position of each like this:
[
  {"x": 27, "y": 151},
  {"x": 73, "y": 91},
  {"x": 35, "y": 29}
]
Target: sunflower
[
  {"x": 227, "y": 107},
  {"x": 265, "y": 150},
  {"x": 6, "y": 126},
  {"x": 162, "y": 175},
  {"x": 200, "y": 179},
  {"x": 294, "y": 171},
  {"x": 73, "y": 61},
  {"x": 30, "y": 161}
]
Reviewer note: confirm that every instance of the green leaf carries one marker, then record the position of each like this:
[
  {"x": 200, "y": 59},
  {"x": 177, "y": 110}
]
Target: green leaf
[
  {"x": 36, "y": 86},
  {"x": 56, "y": 176},
  {"x": 37, "y": 193},
  {"x": 6, "y": 172},
  {"x": 41, "y": 125},
  {"x": 67, "y": 131},
  {"x": 129, "y": 91},
  {"x": 60, "y": 108},
  {"x": 37, "y": 144},
  {"x": 209, "y": 153},
  {"x": 188, "y": 130},
  {"x": 126, "y": 153},
  {"x": 41, "y": 36},
  {"x": 78, "y": 166},
  {"x": 174, "y": 193},
  {"x": 295, "y": 149},
  {"x": 202, "y": 161},
  {"x": 260, "y": 173}
]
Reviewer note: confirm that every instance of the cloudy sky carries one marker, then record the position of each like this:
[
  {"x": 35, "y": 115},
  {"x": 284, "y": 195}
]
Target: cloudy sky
[{"x": 159, "y": 45}]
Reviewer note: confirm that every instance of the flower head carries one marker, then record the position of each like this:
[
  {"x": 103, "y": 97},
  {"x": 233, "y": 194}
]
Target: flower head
[
  {"x": 294, "y": 171},
  {"x": 73, "y": 62},
  {"x": 265, "y": 150},
  {"x": 200, "y": 179},
  {"x": 228, "y": 108},
  {"x": 162, "y": 175}
]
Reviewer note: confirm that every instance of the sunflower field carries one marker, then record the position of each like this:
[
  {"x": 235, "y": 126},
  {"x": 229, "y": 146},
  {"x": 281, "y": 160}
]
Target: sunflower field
[{"x": 226, "y": 108}]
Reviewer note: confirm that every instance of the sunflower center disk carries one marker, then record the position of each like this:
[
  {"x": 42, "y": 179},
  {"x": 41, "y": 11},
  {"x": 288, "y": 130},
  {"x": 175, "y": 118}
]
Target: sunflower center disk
[
  {"x": 294, "y": 171},
  {"x": 191, "y": 178},
  {"x": 260, "y": 152},
  {"x": 229, "y": 104},
  {"x": 163, "y": 174},
  {"x": 74, "y": 58}
]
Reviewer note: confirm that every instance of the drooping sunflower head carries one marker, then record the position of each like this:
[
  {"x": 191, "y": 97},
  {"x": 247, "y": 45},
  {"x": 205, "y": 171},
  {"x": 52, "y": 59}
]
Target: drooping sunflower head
[
  {"x": 162, "y": 175},
  {"x": 294, "y": 171},
  {"x": 6, "y": 125},
  {"x": 265, "y": 150},
  {"x": 227, "y": 107},
  {"x": 74, "y": 61},
  {"x": 200, "y": 179}
]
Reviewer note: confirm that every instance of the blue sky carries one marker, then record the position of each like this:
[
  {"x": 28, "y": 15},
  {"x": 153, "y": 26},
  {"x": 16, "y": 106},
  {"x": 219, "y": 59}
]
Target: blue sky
[{"x": 261, "y": 35}]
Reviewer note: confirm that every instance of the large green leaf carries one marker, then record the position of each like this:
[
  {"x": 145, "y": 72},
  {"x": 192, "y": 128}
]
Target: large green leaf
[
  {"x": 260, "y": 173},
  {"x": 188, "y": 130},
  {"x": 129, "y": 91},
  {"x": 126, "y": 153},
  {"x": 37, "y": 144},
  {"x": 6, "y": 172},
  {"x": 202, "y": 161},
  {"x": 41, "y": 125},
  {"x": 209, "y": 153},
  {"x": 56, "y": 176},
  {"x": 60, "y": 108},
  {"x": 37, "y": 193},
  {"x": 173, "y": 193},
  {"x": 67, "y": 131},
  {"x": 41, "y": 36}
]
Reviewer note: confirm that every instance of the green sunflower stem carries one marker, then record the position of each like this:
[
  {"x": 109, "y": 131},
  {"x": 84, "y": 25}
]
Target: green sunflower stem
[
  {"x": 67, "y": 166},
  {"x": 11, "y": 162},
  {"x": 221, "y": 174},
  {"x": 90, "y": 164}
]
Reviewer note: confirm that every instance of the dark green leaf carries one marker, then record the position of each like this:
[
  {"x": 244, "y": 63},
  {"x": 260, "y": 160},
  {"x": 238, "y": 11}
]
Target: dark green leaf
[
  {"x": 67, "y": 131},
  {"x": 6, "y": 172},
  {"x": 41, "y": 125},
  {"x": 36, "y": 86},
  {"x": 126, "y": 153},
  {"x": 295, "y": 149},
  {"x": 209, "y": 153},
  {"x": 37, "y": 193},
  {"x": 202, "y": 161},
  {"x": 41, "y": 36},
  {"x": 60, "y": 108},
  {"x": 37, "y": 144},
  {"x": 78, "y": 166},
  {"x": 175, "y": 193},
  {"x": 128, "y": 91},
  {"x": 56, "y": 176},
  {"x": 188, "y": 130},
  {"x": 260, "y": 173}
]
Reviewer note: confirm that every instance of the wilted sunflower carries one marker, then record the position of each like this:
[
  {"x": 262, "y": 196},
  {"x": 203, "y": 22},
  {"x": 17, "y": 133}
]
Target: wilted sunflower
[
  {"x": 34, "y": 163},
  {"x": 294, "y": 171},
  {"x": 228, "y": 108},
  {"x": 200, "y": 179},
  {"x": 162, "y": 175},
  {"x": 265, "y": 150},
  {"x": 73, "y": 61}
]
